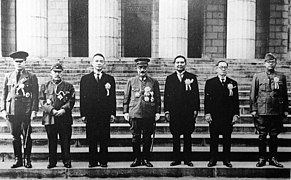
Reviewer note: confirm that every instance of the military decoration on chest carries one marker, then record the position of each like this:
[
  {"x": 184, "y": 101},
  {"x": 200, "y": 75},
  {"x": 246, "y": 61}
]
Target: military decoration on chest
[
  {"x": 276, "y": 83},
  {"x": 22, "y": 88},
  {"x": 63, "y": 96},
  {"x": 148, "y": 95}
]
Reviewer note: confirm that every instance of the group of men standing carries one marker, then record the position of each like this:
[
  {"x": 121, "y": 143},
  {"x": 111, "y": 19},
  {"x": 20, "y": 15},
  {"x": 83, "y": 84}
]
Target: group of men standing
[{"x": 142, "y": 108}]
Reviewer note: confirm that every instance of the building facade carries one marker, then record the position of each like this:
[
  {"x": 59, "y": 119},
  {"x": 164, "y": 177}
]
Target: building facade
[{"x": 238, "y": 29}]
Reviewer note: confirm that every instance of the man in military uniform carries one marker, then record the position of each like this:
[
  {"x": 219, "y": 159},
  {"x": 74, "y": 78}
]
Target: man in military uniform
[
  {"x": 142, "y": 107},
  {"x": 182, "y": 104},
  {"x": 269, "y": 106},
  {"x": 20, "y": 104},
  {"x": 57, "y": 98}
]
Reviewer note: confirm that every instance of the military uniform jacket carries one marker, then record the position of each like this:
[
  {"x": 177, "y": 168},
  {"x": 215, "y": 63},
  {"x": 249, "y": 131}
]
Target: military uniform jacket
[
  {"x": 220, "y": 103},
  {"x": 142, "y": 98},
  {"x": 57, "y": 96},
  {"x": 269, "y": 94},
  {"x": 20, "y": 98},
  {"x": 181, "y": 99}
]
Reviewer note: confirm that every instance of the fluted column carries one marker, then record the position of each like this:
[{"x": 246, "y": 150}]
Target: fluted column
[
  {"x": 31, "y": 27},
  {"x": 173, "y": 28},
  {"x": 0, "y": 30},
  {"x": 103, "y": 27},
  {"x": 241, "y": 26}
]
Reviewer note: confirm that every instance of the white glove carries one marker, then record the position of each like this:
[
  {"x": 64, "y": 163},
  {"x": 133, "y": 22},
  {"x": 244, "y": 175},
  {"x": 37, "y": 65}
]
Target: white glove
[
  {"x": 208, "y": 118},
  {"x": 126, "y": 116},
  {"x": 157, "y": 116}
]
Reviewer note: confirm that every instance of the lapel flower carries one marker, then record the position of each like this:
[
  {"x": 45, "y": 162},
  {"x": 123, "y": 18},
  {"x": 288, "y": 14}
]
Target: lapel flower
[
  {"x": 188, "y": 83},
  {"x": 230, "y": 88},
  {"x": 107, "y": 87},
  {"x": 137, "y": 94},
  {"x": 27, "y": 94},
  {"x": 48, "y": 101},
  {"x": 276, "y": 81}
]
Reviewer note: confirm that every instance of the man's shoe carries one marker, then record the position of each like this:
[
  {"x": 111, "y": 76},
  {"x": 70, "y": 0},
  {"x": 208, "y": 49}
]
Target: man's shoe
[
  {"x": 227, "y": 164},
  {"x": 135, "y": 163},
  {"x": 211, "y": 164},
  {"x": 261, "y": 162},
  {"x": 273, "y": 162},
  {"x": 147, "y": 163},
  {"x": 189, "y": 163},
  {"x": 18, "y": 163},
  {"x": 68, "y": 165},
  {"x": 49, "y": 166},
  {"x": 103, "y": 165},
  {"x": 92, "y": 165},
  {"x": 175, "y": 163}
]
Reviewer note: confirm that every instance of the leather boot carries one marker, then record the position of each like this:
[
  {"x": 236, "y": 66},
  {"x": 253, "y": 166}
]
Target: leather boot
[
  {"x": 27, "y": 162},
  {"x": 17, "y": 163},
  {"x": 261, "y": 162},
  {"x": 273, "y": 162}
]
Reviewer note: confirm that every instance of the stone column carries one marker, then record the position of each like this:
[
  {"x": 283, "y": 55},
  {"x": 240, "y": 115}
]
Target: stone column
[
  {"x": 0, "y": 29},
  {"x": 241, "y": 26},
  {"x": 31, "y": 27},
  {"x": 173, "y": 28},
  {"x": 103, "y": 27}
]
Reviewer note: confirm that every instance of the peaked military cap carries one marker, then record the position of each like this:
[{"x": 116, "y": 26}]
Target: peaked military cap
[
  {"x": 57, "y": 67},
  {"x": 19, "y": 55},
  {"x": 142, "y": 61},
  {"x": 270, "y": 56}
]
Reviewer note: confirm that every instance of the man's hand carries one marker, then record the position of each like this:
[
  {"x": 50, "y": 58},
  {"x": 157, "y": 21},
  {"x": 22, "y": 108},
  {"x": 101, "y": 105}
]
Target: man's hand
[
  {"x": 208, "y": 118},
  {"x": 254, "y": 113},
  {"x": 126, "y": 116},
  {"x": 60, "y": 112},
  {"x": 84, "y": 120},
  {"x": 33, "y": 115},
  {"x": 195, "y": 114},
  {"x": 112, "y": 118},
  {"x": 235, "y": 118},
  {"x": 168, "y": 116},
  {"x": 5, "y": 114},
  {"x": 157, "y": 116}
]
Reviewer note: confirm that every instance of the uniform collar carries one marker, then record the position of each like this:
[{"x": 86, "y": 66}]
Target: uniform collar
[{"x": 142, "y": 78}]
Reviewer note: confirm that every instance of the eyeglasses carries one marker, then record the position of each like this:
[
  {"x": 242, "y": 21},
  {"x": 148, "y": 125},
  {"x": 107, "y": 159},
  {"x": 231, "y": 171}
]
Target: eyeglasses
[{"x": 222, "y": 67}]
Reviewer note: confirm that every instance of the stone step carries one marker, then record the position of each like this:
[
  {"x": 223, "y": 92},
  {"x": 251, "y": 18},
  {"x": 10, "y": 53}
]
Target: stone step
[
  {"x": 161, "y": 170},
  {"x": 199, "y": 153},
  {"x": 161, "y": 140},
  {"x": 161, "y": 128}
]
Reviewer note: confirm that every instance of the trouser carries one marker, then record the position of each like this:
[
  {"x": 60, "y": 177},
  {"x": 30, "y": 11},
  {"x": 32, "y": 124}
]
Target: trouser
[
  {"x": 98, "y": 133},
  {"x": 177, "y": 147},
  {"x": 20, "y": 125},
  {"x": 65, "y": 132},
  {"x": 145, "y": 128},
  {"x": 226, "y": 141},
  {"x": 268, "y": 125}
]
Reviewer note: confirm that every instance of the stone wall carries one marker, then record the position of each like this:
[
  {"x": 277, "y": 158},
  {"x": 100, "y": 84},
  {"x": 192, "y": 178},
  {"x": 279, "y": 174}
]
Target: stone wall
[{"x": 215, "y": 29}]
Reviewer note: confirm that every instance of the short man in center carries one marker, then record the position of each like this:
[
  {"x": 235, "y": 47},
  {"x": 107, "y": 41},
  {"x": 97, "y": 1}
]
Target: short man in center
[
  {"x": 98, "y": 109},
  {"x": 182, "y": 104},
  {"x": 142, "y": 107},
  {"x": 221, "y": 107}
]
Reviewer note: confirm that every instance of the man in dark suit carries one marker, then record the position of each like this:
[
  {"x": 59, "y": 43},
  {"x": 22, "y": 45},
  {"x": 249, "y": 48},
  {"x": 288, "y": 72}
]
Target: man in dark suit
[
  {"x": 57, "y": 99},
  {"x": 269, "y": 106},
  {"x": 98, "y": 108},
  {"x": 142, "y": 107},
  {"x": 182, "y": 104},
  {"x": 20, "y": 104},
  {"x": 221, "y": 105}
]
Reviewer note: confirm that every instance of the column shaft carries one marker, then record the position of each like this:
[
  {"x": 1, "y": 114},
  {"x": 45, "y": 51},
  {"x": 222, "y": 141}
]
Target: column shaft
[
  {"x": 241, "y": 25},
  {"x": 173, "y": 28},
  {"x": 31, "y": 27},
  {"x": 103, "y": 27}
]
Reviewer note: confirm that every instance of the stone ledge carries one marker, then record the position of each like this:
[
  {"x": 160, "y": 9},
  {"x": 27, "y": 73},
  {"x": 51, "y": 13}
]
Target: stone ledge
[{"x": 160, "y": 169}]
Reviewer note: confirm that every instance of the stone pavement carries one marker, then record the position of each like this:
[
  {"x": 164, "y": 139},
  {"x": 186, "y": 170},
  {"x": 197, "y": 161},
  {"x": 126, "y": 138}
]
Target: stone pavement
[{"x": 161, "y": 169}]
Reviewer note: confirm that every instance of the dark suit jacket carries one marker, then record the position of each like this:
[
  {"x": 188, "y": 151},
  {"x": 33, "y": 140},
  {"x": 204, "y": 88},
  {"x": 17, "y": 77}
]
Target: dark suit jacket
[
  {"x": 219, "y": 103},
  {"x": 20, "y": 98},
  {"x": 181, "y": 103},
  {"x": 94, "y": 100}
]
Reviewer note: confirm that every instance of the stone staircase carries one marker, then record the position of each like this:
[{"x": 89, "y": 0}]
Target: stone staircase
[{"x": 244, "y": 138}]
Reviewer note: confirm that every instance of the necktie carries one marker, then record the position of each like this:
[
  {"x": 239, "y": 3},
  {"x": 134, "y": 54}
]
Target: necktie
[
  {"x": 223, "y": 82},
  {"x": 97, "y": 77},
  {"x": 180, "y": 77},
  {"x": 18, "y": 76}
]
